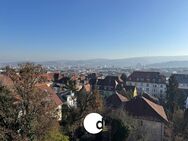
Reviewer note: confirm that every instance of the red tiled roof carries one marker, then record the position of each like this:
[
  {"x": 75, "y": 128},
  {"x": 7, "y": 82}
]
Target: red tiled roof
[
  {"x": 48, "y": 76},
  {"x": 116, "y": 100},
  {"x": 6, "y": 81},
  {"x": 144, "y": 108},
  {"x": 121, "y": 97},
  {"x": 157, "y": 108},
  {"x": 52, "y": 93}
]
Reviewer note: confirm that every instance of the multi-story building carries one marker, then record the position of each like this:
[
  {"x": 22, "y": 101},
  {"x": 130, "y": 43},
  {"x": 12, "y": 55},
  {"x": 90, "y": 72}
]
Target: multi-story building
[
  {"x": 182, "y": 80},
  {"x": 150, "y": 82},
  {"x": 107, "y": 86}
]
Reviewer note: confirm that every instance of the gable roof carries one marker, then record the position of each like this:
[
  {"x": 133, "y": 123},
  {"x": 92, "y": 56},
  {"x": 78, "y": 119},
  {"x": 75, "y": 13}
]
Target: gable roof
[
  {"x": 6, "y": 81},
  {"x": 143, "y": 108},
  {"x": 148, "y": 77},
  {"x": 150, "y": 97},
  {"x": 157, "y": 108},
  {"x": 53, "y": 95},
  {"x": 116, "y": 100},
  {"x": 130, "y": 88},
  {"x": 108, "y": 81},
  {"x": 121, "y": 97},
  {"x": 48, "y": 76}
]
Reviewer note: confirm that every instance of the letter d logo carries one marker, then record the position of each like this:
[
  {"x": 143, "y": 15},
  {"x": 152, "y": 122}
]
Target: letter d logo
[{"x": 93, "y": 123}]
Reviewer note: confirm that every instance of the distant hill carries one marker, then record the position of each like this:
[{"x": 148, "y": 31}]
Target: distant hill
[
  {"x": 171, "y": 64},
  {"x": 128, "y": 62},
  {"x": 153, "y": 62}
]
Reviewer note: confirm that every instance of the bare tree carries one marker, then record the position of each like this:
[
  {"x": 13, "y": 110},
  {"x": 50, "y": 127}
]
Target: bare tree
[{"x": 29, "y": 109}]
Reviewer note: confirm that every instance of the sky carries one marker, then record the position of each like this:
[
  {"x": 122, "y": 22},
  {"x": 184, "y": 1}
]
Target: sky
[{"x": 38, "y": 30}]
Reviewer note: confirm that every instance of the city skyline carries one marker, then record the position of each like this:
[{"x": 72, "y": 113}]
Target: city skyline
[{"x": 78, "y": 30}]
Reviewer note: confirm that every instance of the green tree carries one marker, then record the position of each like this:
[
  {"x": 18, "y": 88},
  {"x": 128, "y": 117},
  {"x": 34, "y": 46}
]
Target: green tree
[
  {"x": 55, "y": 134},
  {"x": 119, "y": 131},
  {"x": 124, "y": 77},
  {"x": 172, "y": 92}
]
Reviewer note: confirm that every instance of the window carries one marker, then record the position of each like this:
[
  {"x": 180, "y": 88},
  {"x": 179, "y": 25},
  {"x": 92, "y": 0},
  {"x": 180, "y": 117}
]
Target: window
[
  {"x": 105, "y": 88},
  {"x": 147, "y": 84},
  {"x": 141, "y": 123},
  {"x": 147, "y": 89}
]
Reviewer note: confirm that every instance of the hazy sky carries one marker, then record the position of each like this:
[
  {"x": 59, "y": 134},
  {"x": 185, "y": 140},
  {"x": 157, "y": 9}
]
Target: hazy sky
[{"x": 82, "y": 29}]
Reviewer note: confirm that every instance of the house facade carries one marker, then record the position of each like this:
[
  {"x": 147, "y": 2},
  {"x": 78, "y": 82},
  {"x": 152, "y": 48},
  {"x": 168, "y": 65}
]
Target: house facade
[
  {"x": 150, "y": 115},
  {"x": 150, "y": 82},
  {"x": 107, "y": 85}
]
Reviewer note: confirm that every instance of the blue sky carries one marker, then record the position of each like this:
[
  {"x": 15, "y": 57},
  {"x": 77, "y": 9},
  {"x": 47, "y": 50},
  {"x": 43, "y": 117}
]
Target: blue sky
[{"x": 87, "y": 29}]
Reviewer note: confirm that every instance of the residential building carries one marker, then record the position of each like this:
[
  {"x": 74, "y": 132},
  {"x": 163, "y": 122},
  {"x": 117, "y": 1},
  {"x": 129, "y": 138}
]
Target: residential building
[
  {"x": 69, "y": 99},
  {"x": 182, "y": 80},
  {"x": 150, "y": 82},
  {"x": 115, "y": 101},
  {"x": 150, "y": 115},
  {"x": 107, "y": 85}
]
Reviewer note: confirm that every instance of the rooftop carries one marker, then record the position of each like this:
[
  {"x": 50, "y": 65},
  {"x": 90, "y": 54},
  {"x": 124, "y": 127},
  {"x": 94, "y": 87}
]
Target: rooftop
[
  {"x": 181, "y": 78},
  {"x": 148, "y": 77},
  {"x": 142, "y": 107}
]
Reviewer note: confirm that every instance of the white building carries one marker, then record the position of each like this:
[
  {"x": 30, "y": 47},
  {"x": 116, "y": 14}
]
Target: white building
[
  {"x": 150, "y": 82},
  {"x": 69, "y": 99}
]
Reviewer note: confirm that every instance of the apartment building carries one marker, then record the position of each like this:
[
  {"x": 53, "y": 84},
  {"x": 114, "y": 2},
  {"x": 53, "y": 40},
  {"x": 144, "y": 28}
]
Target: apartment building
[{"x": 150, "y": 82}]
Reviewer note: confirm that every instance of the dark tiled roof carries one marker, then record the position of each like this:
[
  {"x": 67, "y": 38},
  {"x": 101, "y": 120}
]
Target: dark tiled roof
[
  {"x": 63, "y": 80},
  {"x": 129, "y": 88},
  {"x": 100, "y": 82},
  {"x": 116, "y": 100},
  {"x": 108, "y": 81},
  {"x": 143, "y": 108},
  {"x": 148, "y": 77},
  {"x": 92, "y": 76},
  {"x": 181, "y": 78}
]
